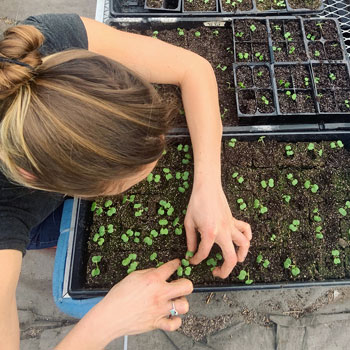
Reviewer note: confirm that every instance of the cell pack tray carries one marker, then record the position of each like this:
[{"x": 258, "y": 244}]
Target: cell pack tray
[
  {"x": 292, "y": 187},
  {"x": 289, "y": 66},
  {"x": 153, "y": 8},
  {"x": 315, "y": 70}
]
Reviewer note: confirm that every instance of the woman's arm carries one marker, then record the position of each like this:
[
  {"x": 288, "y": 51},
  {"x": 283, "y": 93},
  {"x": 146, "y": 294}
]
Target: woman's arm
[
  {"x": 139, "y": 303},
  {"x": 10, "y": 268},
  {"x": 159, "y": 62}
]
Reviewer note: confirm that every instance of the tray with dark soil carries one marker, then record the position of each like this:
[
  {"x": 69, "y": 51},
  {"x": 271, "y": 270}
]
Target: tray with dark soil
[
  {"x": 163, "y": 5},
  {"x": 200, "y": 6},
  {"x": 292, "y": 189},
  {"x": 307, "y": 59},
  {"x": 208, "y": 39},
  {"x": 169, "y": 8}
]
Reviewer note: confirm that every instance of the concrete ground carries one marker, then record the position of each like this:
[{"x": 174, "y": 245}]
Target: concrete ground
[{"x": 295, "y": 319}]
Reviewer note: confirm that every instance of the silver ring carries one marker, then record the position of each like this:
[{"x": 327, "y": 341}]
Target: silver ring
[{"x": 173, "y": 311}]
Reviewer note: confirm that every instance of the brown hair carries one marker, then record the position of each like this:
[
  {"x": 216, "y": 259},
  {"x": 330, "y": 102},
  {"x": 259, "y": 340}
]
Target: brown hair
[{"x": 77, "y": 120}]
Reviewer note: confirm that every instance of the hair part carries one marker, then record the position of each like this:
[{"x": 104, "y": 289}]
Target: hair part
[{"x": 78, "y": 122}]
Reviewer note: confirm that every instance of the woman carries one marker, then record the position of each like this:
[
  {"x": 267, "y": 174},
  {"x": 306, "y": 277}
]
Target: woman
[{"x": 87, "y": 122}]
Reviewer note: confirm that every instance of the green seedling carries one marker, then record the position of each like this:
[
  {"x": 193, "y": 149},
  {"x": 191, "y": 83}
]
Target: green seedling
[
  {"x": 289, "y": 151},
  {"x": 242, "y": 204},
  {"x": 335, "y": 255},
  {"x": 189, "y": 254},
  {"x": 260, "y": 73},
  {"x": 316, "y": 217},
  {"x": 241, "y": 85},
  {"x": 180, "y": 31},
  {"x": 273, "y": 237},
  {"x": 259, "y": 56},
  {"x": 108, "y": 203},
  {"x": 253, "y": 28},
  {"x": 319, "y": 24},
  {"x": 259, "y": 258},
  {"x": 313, "y": 187},
  {"x": 294, "y": 226},
  {"x": 222, "y": 115},
  {"x": 215, "y": 32},
  {"x": 129, "y": 199},
  {"x": 317, "y": 53},
  {"x": 337, "y": 144},
  {"x": 96, "y": 259},
  {"x": 277, "y": 27},
  {"x": 153, "y": 256},
  {"x": 311, "y": 37},
  {"x": 258, "y": 205},
  {"x": 318, "y": 231},
  {"x": 110, "y": 228},
  {"x": 275, "y": 48},
  {"x": 148, "y": 241},
  {"x": 223, "y": 68},
  {"x": 239, "y": 178},
  {"x": 243, "y": 55},
  {"x": 244, "y": 276},
  {"x": 261, "y": 139},
  {"x": 332, "y": 76},
  {"x": 291, "y": 50},
  {"x": 347, "y": 103},
  {"x": 291, "y": 178},
  {"x": 292, "y": 96},
  {"x": 197, "y": 34},
  {"x": 286, "y": 198},
  {"x": 266, "y": 263},
  {"x": 239, "y": 34},
  {"x": 229, "y": 50},
  {"x": 232, "y": 143},
  {"x": 343, "y": 210},
  {"x": 269, "y": 183},
  {"x": 288, "y": 36},
  {"x": 154, "y": 34},
  {"x": 317, "y": 80},
  {"x": 311, "y": 147},
  {"x": 265, "y": 100},
  {"x": 294, "y": 269},
  {"x": 306, "y": 81}
]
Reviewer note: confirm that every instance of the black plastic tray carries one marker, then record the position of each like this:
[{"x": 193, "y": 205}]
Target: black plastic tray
[
  {"x": 126, "y": 8},
  {"x": 165, "y": 6},
  {"x": 312, "y": 133},
  {"x": 272, "y": 63}
]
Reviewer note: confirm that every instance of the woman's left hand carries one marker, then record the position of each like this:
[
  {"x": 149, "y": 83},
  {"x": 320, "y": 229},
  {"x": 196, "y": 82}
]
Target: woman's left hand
[{"x": 209, "y": 213}]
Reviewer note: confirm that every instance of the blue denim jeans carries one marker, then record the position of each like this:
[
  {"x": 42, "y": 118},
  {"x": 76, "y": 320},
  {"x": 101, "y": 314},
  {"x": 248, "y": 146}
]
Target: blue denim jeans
[{"x": 46, "y": 234}]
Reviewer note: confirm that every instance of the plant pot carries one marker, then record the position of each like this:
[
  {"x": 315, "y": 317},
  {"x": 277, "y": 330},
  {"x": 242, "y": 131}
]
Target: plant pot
[{"x": 274, "y": 237}]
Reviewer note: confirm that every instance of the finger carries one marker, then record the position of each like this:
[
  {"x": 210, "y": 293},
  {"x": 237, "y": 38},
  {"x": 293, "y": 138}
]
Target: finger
[
  {"x": 191, "y": 236},
  {"x": 242, "y": 243},
  {"x": 166, "y": 270},
  {"x": 230, "y": 260},
  {"x": 169, "y": 324},
  {"x": 244, "y": 227},
  {"x": 180, "y": 304},
  {"x": 204, "y": 248},
  {"x": 180, "y": 287}
]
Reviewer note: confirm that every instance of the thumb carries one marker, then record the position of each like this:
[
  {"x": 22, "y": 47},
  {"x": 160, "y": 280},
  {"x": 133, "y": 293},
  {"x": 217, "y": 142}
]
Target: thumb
[{"x": 166, "y": 270}]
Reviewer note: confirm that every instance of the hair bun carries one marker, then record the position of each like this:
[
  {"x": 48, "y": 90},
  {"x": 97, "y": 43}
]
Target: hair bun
[{"x": 20, "y": 43}]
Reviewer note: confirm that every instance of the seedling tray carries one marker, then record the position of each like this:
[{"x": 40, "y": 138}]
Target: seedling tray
[
  {"x": 80, "y": 263},
  {"x": 125, "y": 8},
  {"x": 308, "y": 65},
  {"x": 165, "y": 5}
]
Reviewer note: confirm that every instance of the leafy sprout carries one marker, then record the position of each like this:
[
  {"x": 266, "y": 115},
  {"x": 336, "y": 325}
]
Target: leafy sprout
[
  {"x": 336, "y": 259},
  {"x": 289, "y": 151},
  {"x": 96, "y": 259},
  {"x": 253, "y": 28},
  {"x": 294, "y": 269},
  {"x": 265, "y": 100},
  {"x": 180, "y": 31},
  {"x": 243, "y": 55},
  {"x": 197, "y": 34},
  {"x": 332, "y": 76},
  {"x": 317, "y": 53},
  {"x": 244, "y": 276}
]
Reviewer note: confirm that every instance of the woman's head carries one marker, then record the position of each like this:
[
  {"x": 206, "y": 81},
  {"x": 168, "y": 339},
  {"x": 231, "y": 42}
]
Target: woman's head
[{"x": 77, "y": 123}]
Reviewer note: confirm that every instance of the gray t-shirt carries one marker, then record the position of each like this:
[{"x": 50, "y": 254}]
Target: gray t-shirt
[{"x": 21, "y": 208}]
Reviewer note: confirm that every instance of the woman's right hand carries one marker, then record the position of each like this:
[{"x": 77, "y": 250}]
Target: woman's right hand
[{"x": 141, "y": 302}]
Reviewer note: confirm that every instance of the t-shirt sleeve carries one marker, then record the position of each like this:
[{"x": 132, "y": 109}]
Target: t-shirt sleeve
[
  {"x": 61, "y": 32},
  {"x": 21, "y": 209}
]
